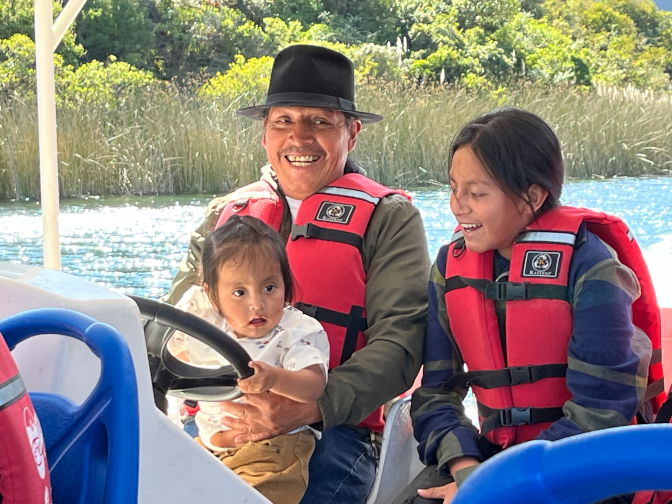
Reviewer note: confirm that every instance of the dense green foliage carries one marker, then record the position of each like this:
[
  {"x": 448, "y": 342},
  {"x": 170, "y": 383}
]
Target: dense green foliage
[
  {"x": 147, "y": 89},
  {"x": 17, "y": 17},
  {"x": 473, "y": 43},
  {"x": 119, "y": 28}
]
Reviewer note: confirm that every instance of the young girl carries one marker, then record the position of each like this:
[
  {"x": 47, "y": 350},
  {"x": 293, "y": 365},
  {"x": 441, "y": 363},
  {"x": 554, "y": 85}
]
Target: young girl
[
  {"x": 247, "y": 288},
  {"x": 537, "y": 299}
]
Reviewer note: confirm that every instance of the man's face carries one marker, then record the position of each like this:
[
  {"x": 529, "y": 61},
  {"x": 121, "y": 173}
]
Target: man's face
[{"x": 308, "y": 147}]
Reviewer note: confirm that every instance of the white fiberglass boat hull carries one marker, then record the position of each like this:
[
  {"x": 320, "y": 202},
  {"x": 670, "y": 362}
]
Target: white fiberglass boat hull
[{"x": 173, "y": 469}]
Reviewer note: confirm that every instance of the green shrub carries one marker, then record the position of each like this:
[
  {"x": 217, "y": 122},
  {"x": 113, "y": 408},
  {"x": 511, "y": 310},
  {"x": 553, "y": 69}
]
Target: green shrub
[
  {"x": 18, "y": 17},
  {"x": 17, "y": 68},
  {"x": 119, "y": 28},
  {"x": 112, "y": 86},
  {"x": 244, "y": 77},
  {"x": 203, "y": 39}
]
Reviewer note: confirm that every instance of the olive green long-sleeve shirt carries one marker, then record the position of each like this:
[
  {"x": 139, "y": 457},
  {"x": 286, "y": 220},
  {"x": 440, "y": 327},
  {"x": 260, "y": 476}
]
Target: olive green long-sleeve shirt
[{"x": 396, "y": 261}]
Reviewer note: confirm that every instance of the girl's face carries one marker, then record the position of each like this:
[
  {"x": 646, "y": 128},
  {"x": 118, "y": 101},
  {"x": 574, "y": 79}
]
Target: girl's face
[
  {"x": 489, "y": 218},
  {"x": 251, "y": 297}
]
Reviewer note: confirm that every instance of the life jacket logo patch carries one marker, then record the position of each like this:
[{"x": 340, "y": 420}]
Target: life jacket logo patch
[
  {"x": 541, "y": 264},
  {"x": 338, "y": 213}
]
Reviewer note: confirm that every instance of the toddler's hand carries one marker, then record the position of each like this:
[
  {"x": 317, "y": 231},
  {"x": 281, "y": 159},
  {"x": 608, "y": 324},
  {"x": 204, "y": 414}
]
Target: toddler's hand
[{"x": 262, "y": 380}]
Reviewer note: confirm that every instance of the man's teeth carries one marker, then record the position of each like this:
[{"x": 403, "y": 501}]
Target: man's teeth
[
  {"x": 470, "y": 227},
  {"x": 302, "y": 160}
]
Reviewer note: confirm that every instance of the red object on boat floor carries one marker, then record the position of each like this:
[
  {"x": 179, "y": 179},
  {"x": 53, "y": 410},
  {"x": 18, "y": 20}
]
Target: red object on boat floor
[
  {"x": 24, "y": 476},
  {"x": 666, "y": 314}
]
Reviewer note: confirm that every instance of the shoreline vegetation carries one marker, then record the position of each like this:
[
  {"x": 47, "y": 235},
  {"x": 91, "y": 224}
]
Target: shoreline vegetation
[
  {"x": 168, "y": 143},
  {"x": 147, "y": 90}
]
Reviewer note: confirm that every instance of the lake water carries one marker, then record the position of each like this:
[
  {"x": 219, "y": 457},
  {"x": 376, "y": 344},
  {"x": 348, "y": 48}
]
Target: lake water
[{"x": 134, "y": 245}]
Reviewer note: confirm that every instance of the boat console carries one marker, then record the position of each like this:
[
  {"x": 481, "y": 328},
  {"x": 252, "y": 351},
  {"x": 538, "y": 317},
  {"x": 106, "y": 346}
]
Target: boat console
[{"x": 59, "y": 365}]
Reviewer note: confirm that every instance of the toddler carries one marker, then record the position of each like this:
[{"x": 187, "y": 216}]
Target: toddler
[{"x": 247, "y": 288}]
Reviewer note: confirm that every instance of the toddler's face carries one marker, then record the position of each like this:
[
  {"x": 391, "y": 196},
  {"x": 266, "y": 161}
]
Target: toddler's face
[{"x": 251, "y": 297}]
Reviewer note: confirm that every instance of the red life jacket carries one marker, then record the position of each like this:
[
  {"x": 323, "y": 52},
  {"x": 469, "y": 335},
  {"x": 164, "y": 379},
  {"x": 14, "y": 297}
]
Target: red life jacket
[
  {"x": 652, "y": 497},
  {"x": 324, "y": 253},
  {"x": 24, "y": 475},
  {"x": 257, "y": 199},
  {"x": 519, "y": 401}
]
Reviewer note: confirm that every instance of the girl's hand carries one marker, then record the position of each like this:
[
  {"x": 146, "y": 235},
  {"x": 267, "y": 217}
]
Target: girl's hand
[
  {"x": 262, "y": 380},
  {"x": 445, "y": 492}
]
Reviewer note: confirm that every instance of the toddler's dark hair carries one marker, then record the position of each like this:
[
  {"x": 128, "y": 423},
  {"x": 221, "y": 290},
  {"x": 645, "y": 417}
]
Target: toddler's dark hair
[
  {"x": 247, "y": 240},
  {"x": 518, "y": 149}
]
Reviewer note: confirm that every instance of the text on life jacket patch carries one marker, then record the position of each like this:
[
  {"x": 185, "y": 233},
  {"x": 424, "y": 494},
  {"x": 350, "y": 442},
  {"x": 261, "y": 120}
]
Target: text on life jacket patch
[
  {"x": 339, "y": 213},
  {"x": 541, "y": 264}
]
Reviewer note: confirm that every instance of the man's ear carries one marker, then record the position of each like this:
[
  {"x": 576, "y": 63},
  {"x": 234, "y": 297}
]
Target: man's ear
[
  {"x": 354, "y": 130},
  {"x": 536, "y": 196}
]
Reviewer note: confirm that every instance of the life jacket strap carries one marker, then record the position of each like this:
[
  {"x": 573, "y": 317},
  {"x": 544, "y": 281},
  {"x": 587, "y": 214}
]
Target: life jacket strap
[
  {"x": 653, "y": 389},
  {"x": 555, "y": 237},
  {"x": 11, "y": 391},
  {"x": 665, "y": 412},
  {"x": 311, "y": 230},
  {"x": 512, "y": 417},
  {"x": 354, "y": 322},
  {"x": 509, "y": 291},
  {"x": 658, "y": 386},
  {"x": 506, "y": 377}
]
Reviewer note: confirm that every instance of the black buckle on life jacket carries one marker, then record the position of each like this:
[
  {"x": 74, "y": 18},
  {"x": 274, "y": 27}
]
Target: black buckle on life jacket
[
  {"x": 311, "y": 230},
  {"x": 459, "y": 248},
  {"x": 520, "y": 375},
  {"x": 305, "y": 231},
  {"x": 507, "y": 291},
  {"x": 511, "y": 417}
]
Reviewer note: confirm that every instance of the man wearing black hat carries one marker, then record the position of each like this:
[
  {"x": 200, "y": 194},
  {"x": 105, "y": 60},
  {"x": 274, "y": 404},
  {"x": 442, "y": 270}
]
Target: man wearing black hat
[{"x": 358, "y": 252}]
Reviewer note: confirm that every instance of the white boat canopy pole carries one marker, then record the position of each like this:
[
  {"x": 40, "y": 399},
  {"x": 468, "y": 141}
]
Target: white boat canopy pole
[{"x": 47, "y": 38}]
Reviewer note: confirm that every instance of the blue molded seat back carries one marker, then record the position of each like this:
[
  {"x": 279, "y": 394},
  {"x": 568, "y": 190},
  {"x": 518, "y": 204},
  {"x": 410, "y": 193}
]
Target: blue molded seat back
[
  {"x": 92, "y": 449},
  {"x": 580, "y": 469}
]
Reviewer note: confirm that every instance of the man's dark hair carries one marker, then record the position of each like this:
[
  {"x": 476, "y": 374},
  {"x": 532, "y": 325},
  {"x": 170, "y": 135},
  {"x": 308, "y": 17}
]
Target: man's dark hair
[
  {"x": 247, "y": 240},
  {"x": 517, "y": 149}
]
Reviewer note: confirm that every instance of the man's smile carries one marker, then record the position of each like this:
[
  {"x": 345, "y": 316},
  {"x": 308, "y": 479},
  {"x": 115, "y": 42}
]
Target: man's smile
[{"x": 301, "y": 160}]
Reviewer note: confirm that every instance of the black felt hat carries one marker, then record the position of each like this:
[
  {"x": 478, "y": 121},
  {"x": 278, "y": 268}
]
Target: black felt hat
[{"x": 311, "y": 76}]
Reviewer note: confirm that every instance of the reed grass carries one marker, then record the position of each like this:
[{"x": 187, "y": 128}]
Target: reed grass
[{"x": 169, "y": 143}]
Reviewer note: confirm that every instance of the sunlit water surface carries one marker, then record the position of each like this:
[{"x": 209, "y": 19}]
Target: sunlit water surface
[{"x": 134, "y": 245}]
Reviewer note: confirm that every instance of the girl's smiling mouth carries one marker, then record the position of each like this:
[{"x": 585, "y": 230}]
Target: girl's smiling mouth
[{"x": 468, "y": 228}]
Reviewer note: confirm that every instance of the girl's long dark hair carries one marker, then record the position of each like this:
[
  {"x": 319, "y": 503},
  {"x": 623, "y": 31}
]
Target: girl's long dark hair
[{"x": 518, "y": 149}]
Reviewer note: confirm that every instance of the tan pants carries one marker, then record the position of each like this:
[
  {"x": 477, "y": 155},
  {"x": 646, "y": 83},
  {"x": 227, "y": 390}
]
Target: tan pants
[{"x": 276, "y": 467}]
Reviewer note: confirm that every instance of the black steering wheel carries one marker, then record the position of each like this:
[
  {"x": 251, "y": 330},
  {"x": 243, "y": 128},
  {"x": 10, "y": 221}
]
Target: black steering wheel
[{"x": 173, "y": 376}]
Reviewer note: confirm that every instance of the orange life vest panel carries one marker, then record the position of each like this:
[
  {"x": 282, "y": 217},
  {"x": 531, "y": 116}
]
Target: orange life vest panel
[
  {"x": 24, "y": 475},
  {"x": 324, "y": 253},
  {"x": 529, "y": 389}
]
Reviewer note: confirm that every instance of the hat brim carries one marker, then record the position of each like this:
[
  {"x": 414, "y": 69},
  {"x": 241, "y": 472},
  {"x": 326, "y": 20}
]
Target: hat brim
[{"x": 257, "y": 112}]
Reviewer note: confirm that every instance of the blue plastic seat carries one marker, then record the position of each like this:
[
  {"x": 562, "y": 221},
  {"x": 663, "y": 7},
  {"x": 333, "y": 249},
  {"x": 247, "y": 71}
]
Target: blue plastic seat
[
  {"x": 93, "y": 448},
  {"x": 579, "y": 469}
]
